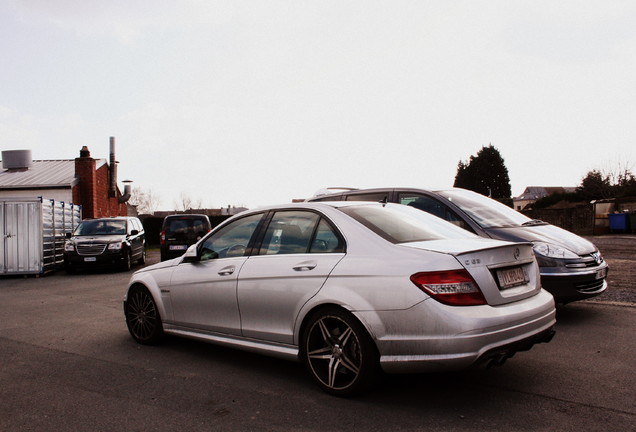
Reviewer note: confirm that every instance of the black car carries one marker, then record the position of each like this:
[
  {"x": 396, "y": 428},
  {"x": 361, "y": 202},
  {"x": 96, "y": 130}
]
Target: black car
[
  {"x": 114, "y": 242},
  {"x": 180, "y": 231},
  {"x": 572, "y": 268}
]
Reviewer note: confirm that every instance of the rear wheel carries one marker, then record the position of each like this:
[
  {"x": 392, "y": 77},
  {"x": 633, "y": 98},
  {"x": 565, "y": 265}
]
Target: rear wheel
[
  {"x": 339, "y": 353},
  {"x": 142, "y": 317}
]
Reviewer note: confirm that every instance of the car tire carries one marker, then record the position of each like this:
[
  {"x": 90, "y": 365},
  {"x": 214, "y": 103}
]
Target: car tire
[
  {"x": 142, "y": 258},
  {"x": 142, "y": 317},
  {"x": 127, "y": 264},
  {"x": 339, "y": 353}
]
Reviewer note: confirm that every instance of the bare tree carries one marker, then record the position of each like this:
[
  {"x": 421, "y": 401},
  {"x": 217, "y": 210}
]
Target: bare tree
[
  {"x": 145, "y": 200},
  {"x": 186, "y": 202}
]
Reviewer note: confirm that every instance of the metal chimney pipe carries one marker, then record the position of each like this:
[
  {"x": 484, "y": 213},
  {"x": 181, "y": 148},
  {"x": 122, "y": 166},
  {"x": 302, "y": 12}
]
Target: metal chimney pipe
[
  {"x": 127, "y": 191},
  {"x": 112, "y": 190}
]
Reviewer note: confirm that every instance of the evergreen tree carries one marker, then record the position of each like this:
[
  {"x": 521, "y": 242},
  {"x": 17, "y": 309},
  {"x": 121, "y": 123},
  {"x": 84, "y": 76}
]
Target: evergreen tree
[{"x": 485, "y": 173}]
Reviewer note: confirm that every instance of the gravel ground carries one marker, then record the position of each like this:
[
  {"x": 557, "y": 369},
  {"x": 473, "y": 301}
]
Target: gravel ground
[{"x": 619, "y": 250}]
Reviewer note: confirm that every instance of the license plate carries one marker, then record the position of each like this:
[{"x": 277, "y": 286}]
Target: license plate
[
  {"x": 178, "y": 247},
  {"x": 601, "y": 273},
  {"x": 511, "y": 277},
  {"x": 90, "y": 259}
]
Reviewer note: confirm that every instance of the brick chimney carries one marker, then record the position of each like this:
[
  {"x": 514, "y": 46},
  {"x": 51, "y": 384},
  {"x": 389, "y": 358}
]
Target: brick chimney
[{"x": 85, "y": 172}]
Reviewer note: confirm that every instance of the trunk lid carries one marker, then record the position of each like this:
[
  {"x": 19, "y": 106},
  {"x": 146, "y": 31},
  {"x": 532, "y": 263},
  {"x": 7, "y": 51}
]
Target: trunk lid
[{"x": 505, "y": 272}]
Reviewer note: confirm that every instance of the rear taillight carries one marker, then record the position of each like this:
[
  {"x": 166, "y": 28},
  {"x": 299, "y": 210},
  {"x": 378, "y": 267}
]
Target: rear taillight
[
  {"x": 453, "y": 287},
  {"x": 162, "y": 237}
]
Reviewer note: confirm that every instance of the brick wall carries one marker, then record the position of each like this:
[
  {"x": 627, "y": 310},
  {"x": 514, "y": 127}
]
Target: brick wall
[{"x": 92, "y": 191}]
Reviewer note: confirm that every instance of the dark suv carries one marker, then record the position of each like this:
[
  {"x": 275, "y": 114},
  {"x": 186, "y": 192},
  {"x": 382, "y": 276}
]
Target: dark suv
[
  {"x": 180, "y": 231},
  {"x": 572, "y": 268},
  {"x": 114, "y": 242}
]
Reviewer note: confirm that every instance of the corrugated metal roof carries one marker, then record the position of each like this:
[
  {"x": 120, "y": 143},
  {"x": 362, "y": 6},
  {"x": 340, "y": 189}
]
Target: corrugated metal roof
[{"x": 43, "y": 173}]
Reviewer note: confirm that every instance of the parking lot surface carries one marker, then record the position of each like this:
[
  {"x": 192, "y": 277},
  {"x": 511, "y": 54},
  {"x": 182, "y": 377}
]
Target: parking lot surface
[{"x": 70, "y": 365}]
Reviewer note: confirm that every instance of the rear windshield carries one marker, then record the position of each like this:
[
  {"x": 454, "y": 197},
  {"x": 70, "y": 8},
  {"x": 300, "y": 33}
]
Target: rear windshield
[
  {"x": 186, "y": 226},
  {"x": 402, "y": 224},
  {"x": 101, "y": 227}
]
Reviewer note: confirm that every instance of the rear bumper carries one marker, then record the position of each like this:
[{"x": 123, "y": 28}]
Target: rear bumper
[{"x": 434, "y": 337}]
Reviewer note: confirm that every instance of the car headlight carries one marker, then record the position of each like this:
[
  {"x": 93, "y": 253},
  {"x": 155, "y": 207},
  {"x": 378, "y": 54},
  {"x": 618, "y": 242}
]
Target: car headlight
[
  {"x": 69, "y": 247},
  {"x": 553, "y": 251},
  {"x": 115, "y": 246}
]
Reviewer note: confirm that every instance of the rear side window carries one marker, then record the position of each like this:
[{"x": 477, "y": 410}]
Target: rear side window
[
  {"x": 299, "y": 232},
  {"x": 326, "y": 240}
]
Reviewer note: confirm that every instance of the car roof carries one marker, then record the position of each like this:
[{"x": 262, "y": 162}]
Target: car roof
[
  {"x": 111, "y": 218},
  {"x": 310, "y": 205},
  {"x": 198, "y": 215},
  {"x": 353, "y": 191}
]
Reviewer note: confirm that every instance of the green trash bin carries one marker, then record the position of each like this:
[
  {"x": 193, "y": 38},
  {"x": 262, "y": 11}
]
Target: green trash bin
[{"x": 632, "y": 221}]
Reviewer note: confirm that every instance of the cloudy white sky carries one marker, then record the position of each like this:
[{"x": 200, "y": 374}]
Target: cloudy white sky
[{"x": 258, "y": 102}]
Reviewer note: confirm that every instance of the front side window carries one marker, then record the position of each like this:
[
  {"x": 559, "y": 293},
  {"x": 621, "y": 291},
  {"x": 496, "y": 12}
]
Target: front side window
[
  {"x": 136, "y": 224},
  {"x": 232, "y": 240},
  {"x": 299, "y": 232}
]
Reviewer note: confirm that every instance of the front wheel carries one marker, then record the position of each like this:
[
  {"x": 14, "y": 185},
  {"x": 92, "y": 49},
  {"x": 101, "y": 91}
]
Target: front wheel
[
  {"x": 127, "y": 263},
  {"x": 142, "y": 317},
  {"x": 142, "y": 259},
  {"x": 339, "y": 353}
]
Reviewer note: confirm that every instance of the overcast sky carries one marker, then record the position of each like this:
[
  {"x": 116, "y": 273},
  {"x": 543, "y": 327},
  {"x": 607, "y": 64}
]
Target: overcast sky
[{"x": 259, "y": 102}]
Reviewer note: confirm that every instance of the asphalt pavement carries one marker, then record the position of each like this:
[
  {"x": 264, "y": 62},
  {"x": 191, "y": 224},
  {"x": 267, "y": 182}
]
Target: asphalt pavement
[{"x": 68, "y": 364}]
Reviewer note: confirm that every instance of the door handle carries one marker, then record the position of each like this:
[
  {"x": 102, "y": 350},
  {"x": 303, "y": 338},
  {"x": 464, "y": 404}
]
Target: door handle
[
  {"x": 305, "y": 266},
  {"x": 227, "y": 271}
]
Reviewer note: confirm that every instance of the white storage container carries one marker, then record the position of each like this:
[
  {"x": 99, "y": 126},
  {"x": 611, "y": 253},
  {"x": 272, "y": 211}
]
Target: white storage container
[{"x": 33, "y": 232}]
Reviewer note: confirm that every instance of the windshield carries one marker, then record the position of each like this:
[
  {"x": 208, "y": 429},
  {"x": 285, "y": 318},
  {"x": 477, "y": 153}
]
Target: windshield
[
  {"x": 486, "y": 212},
  {"x": 402, "y": 224},
  {"x": 101, "y": 227}
]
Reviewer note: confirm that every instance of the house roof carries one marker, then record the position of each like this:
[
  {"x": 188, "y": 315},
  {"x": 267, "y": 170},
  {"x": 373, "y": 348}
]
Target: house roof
[
  {"x": 536, "y": 192},
  {"x": 43, "y": 174}
]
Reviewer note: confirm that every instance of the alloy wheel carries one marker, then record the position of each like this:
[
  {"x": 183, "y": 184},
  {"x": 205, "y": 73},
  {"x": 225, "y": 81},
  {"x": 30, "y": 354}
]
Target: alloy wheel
[
  {"x": 334, "y": 353},
  {"x": 142, "y": 317}
]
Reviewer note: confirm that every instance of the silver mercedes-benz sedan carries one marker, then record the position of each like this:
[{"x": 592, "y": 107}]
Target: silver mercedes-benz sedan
[{"x": 350, "y": 289}]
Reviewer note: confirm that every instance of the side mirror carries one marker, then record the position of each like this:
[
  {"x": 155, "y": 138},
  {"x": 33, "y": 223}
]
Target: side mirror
[
  {"x": 134, "y": 232},
  {"x": 191, "y": 254},
  {"x": 69, "y": 235}
]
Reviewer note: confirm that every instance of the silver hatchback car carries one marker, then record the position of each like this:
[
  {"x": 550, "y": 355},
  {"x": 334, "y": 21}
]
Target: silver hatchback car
[{"x": 349, "y": 289}]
